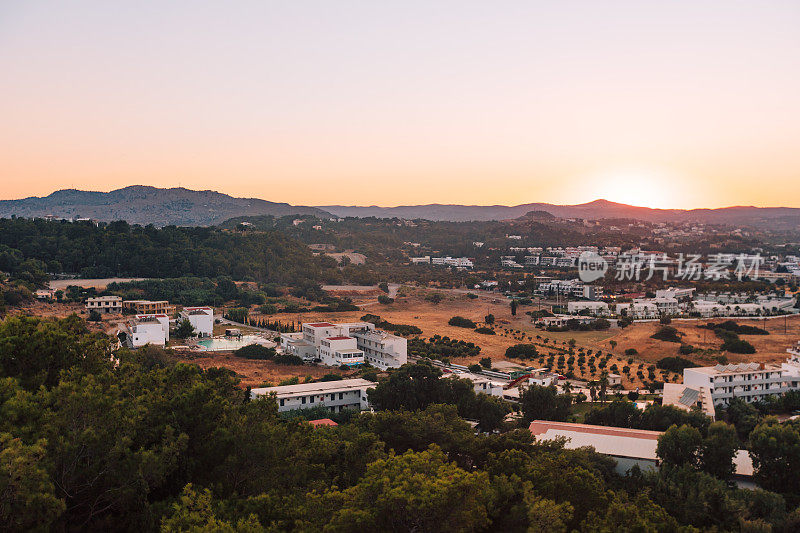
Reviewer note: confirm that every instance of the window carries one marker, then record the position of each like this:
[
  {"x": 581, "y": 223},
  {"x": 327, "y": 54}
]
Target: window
[
  {"x": 312, "y": 398},
  {"x": 281, "y": 402},
  {"x": 341, "y": 396},
  {"x": 303, "y": 399}
]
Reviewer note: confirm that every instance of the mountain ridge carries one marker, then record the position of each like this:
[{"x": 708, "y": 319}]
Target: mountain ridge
[{"x": 144, "y": 204}]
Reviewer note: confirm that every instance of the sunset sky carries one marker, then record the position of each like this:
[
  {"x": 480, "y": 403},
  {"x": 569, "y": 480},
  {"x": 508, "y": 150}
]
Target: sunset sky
[{"x": 658, "y": 103}]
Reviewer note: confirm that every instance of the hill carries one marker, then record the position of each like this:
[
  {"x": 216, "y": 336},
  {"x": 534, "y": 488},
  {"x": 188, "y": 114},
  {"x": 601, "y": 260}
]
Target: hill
[
  {"x": 138, "y": 204},
  {"x": 762, "y": 217}
]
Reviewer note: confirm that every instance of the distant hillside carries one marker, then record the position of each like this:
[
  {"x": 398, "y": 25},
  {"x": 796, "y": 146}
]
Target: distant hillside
[
  {"x": 140, "y": 204},
  {"x": 763, "y": 217}
]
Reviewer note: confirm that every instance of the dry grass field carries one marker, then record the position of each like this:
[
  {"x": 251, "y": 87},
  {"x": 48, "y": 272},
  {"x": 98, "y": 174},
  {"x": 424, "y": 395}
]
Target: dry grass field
[{"x": 254, "y": 373}]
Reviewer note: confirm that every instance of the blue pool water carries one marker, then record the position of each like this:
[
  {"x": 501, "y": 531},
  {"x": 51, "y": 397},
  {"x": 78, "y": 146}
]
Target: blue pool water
[{"x": 218, "y": 344}]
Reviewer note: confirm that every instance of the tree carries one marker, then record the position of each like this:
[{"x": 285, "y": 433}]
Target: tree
[
  {"x": 513, "y": 308},
  {"x": 544, "y": 403},
  {"x": 489, "y": 319},
  {"x": 185, "y": 329},
  {"x": 385, "y": 300},
  {"x": 613, "y": 344},
  {"x": 475, "y": 368},
  {"x": 27, "y": 496},
  {"x": 718, "y": 450},
  {"x": 486, "y": 362},
  {"x": 603, "y": 383},
  {"x": 416, "y": 491},
  {"x": 94, "y": 316},
  {"x": 679, "y": 446},
  {"x": 194, "y": 512},
  {"x": 775, "y": 449}
]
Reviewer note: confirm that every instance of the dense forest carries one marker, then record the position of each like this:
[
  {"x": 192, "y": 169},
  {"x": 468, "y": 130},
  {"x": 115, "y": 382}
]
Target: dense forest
[
  {"x": 141, "y": 442},
  {"x": 29, "y": 248}
]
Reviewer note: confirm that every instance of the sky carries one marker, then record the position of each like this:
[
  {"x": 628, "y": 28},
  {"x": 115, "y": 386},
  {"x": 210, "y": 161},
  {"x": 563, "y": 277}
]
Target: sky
[{"x": 678, "y": 104}]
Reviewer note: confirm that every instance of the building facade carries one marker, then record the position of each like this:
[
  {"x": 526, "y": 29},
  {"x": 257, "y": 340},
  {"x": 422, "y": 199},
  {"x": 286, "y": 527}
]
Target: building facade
[
  {"x": 104, "y": 304},
  {"x": 336, "y": 396}
]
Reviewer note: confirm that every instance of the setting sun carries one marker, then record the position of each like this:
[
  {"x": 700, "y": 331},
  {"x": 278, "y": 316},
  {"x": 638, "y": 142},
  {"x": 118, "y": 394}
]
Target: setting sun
[{"x": 636, "y": 187}]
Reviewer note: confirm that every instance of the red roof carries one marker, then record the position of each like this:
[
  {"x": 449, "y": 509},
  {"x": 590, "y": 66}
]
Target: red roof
[
  {"x": 321, "y": 325},
  {"x": 323, "y": 422},
  {"x": 339, "y": 338}
]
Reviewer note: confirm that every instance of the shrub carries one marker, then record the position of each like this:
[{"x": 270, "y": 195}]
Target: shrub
[
  {"x": 255, "y": 351},
  {"x": 385, "y": 300},
  {"x": 667, "y": 333},
  {"x": 522, "y": 351},
  {"x": 475, "y": 368},
  {"x": 485, "y": 331},
  {"x": 674, "y": 364},
  {"x": 461, "y": 322},
  {"x": 631, "y": 351},
  {"x": 486, "y": 362},
  {"x": 288, "y": 359},
  {"x": 686, "y": 349}
]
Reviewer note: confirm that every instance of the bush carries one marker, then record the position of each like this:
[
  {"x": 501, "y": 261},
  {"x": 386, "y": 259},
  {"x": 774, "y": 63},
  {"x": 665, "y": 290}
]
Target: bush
[
  {"x": 485, "y": 331},
  {"x": 733, "y": 327},
  {"x": 385, "y": 300},
  {"x": 475, "y": 368},
  {"x": 631, "y": 351},
  {"x": 522, "y": 351},
  {"x": 255, "y": 351},
  {"x": 667, "y": 333},
  {"x": 288, "y": 359},
  {"x": 94, "y": 316},
  {"x": 686, "y": 349},
  {"x": 461, "y": 322},
  {"x": 486, "y": 362},
  {"x": 674, "y": 364}
]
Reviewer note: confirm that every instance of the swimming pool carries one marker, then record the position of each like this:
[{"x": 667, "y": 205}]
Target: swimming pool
[{"x": 218, "y": 344}]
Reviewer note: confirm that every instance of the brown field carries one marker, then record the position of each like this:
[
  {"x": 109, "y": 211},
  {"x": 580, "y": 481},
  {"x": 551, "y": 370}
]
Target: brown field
[
  {"x": 254, "y": 373},
  {"x": 411, "y": 307},
  {"x": 784, "y": 333}
]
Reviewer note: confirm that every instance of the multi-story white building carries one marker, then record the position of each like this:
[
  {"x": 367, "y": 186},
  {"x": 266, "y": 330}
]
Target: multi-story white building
[
  {"x": 104, "y": 304},
  {"x": 327, "y": 341},
  {"x": 638, "y": 310},
  {"x": 336, "y": 396},
  {"x": 337, "y": 351},
  {"x": 677, "y": 293},
  {"x": 146, "y": 329},
  {"x": 594, "y": 308},
  {"x": 201, "y": 319},
  {"x": 715, "y": 386}
]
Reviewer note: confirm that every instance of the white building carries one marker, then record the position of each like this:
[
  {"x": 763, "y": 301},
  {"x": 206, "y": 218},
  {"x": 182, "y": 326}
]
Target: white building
[
  {"x": 425, "y": 259},
  {"x": 377, "y": 348},
  {"x": 710, "y": 387},
  {"x": 676, "y": 293},
  {"x": 146, "y": 329},
  {"x": 45, "y": 294},
  {"x": 336, "y": 396},
  {"x": 594, "y": 308},
  {"x": 104, "y": 304},
  {"x": 161, "y": 318},
  {"x": 481, "y": 384},
  {"x": 628, "y": 447},
  {"x": 337, "y": 351},
  {"x": 638, "y": 310},
  {"x": 201, "y": 319}
]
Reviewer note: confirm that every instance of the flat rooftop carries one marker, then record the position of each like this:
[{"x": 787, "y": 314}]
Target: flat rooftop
[
  {"x": 734, "y": 368},
  {"x": 320, "y": 325},
  {"x": 316, "y": 388}
]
